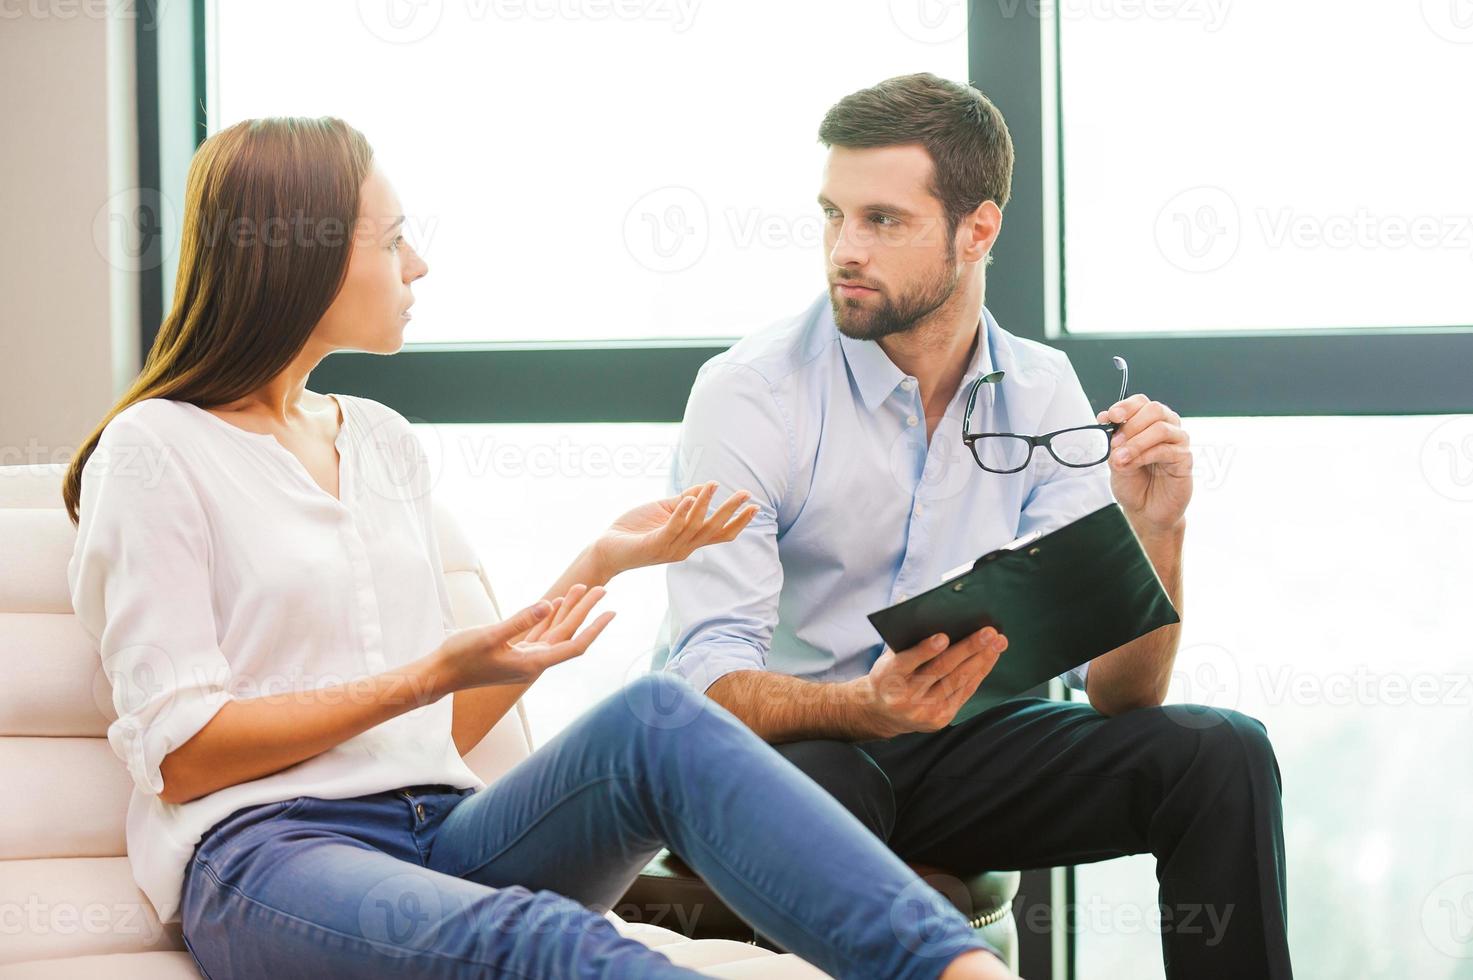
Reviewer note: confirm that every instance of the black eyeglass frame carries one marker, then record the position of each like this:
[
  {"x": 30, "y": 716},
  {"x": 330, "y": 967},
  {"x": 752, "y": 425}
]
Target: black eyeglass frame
[{"x": 971, "y": 438}]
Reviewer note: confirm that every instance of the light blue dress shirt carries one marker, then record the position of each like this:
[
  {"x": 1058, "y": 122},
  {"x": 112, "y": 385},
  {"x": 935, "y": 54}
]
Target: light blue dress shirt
[{"x": 857, "y": 511}]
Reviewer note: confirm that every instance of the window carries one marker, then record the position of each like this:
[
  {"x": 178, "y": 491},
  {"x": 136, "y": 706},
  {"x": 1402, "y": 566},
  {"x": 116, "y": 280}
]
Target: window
[
  {"x": 1335, "y": 615},
  {"x": 1253, "y": 165},
  {"x": 587, "y": 170},
  {"x": 530, "y": 497}
]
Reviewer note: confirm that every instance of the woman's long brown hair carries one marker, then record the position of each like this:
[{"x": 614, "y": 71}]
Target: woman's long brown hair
[{"x": 270, "y": 207}]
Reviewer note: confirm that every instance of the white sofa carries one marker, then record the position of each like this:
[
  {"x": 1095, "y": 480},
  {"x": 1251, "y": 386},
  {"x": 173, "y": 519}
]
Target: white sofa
[{"x": 68, "y": 904}]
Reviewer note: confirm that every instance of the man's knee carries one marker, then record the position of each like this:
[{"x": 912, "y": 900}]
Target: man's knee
[
  {"x": 1240, "y": 741},
  {"x": 848, "y": 775},
  {"x": 1224, "y": 741}
]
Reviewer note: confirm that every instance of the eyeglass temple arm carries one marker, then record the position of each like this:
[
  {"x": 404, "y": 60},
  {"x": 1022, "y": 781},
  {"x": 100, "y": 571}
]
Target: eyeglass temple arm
[
  {"x": 986, "y": 379},
  {"x": 1124, "y": 376}
]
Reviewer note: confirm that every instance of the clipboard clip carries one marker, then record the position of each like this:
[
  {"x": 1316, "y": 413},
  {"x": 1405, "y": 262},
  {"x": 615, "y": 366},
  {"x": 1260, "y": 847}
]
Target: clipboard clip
[{"x": 1017, "y": 544}]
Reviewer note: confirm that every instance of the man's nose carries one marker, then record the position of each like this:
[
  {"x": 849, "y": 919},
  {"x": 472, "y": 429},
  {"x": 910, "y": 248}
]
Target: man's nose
[{"x": 847, "y": 249}]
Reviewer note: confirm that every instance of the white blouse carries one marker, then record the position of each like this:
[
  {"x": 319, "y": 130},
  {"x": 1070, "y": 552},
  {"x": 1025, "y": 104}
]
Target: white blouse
[{"x": 210, "y": 566}]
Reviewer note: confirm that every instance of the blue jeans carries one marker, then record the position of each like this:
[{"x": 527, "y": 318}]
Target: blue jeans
[{"x": 510, "y": 880}]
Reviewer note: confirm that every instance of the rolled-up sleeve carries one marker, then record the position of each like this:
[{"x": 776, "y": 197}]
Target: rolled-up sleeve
[
  {"x": 140, "y": 584},
  {"x": 1061, "y": 493},
  {"x": 723, "y": 600}
]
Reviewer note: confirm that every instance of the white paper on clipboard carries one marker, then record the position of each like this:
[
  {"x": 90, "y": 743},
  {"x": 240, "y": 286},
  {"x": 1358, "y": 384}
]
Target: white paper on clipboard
[{"x": 1012, "y": 545}]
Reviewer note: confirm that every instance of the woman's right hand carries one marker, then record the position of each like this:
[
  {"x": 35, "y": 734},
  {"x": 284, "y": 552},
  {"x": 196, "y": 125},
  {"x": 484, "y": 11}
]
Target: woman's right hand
[{"x": 519, "y": 648}]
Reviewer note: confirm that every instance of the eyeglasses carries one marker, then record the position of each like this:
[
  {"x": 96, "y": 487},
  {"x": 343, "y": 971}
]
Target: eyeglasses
[{"x": 1009, "y": 452}]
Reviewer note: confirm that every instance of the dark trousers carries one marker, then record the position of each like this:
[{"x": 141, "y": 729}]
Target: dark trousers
[{"x": 1033, "y": 783}]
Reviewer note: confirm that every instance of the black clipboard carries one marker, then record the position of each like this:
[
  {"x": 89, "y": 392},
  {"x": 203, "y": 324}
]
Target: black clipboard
[{"x": 1061, "y": 599}]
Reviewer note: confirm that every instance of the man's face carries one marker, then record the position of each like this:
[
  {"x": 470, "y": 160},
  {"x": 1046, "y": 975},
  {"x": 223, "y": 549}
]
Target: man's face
[{"x": 891, "y": 261}]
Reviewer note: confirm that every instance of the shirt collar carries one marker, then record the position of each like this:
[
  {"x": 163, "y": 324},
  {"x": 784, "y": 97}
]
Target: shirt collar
[{"x": 877, "y": 377}]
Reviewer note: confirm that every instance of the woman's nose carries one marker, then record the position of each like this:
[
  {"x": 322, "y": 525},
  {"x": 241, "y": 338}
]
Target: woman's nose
[{"x": 416, "y": 268}]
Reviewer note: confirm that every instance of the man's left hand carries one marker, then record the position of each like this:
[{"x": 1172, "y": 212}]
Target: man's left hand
[{"x": 1150, "y": 463}]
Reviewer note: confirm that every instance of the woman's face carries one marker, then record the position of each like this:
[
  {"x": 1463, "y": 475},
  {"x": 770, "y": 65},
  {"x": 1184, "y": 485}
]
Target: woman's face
[{"x": 372, "y": 309}]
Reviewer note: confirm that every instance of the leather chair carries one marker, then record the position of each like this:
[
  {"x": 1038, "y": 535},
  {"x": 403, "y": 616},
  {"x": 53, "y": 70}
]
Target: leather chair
[
  {"x": 671, "y": 895},
  {"x": 68, "y": 904}
]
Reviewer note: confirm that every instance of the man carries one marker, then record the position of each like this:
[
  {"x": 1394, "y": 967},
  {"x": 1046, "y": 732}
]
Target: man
[{"x": 845, "y": 425}]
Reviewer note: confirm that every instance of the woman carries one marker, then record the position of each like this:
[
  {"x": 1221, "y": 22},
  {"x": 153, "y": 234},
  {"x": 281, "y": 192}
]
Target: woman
[{"x": 259, "y": 566}]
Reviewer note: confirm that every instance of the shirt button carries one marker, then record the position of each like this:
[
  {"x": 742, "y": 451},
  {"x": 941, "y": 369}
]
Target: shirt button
[
  {"x": 908, "y": 384},
  {"x": 904, "y": 596},
  {"x": 912, "y": 420},
  {"x": 919, "y": 509}
]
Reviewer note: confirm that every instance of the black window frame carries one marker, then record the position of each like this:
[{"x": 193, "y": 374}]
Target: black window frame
[{"x": 1395, "y": 370}]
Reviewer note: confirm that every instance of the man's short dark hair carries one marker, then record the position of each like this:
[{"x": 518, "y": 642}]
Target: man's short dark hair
[{"x": 964, "y": 133}]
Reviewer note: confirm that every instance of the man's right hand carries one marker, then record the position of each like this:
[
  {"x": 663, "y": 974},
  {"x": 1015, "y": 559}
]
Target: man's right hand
[{"x": 922, "y": 689}]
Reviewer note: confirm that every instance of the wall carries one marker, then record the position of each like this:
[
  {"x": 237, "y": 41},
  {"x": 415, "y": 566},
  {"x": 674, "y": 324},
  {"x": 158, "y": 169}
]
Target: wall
[{"x": 68, "y": 165}]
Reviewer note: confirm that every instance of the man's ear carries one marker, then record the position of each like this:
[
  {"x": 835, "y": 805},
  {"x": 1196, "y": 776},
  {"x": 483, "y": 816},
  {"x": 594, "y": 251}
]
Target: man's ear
[{"x": 978, "y": 231}]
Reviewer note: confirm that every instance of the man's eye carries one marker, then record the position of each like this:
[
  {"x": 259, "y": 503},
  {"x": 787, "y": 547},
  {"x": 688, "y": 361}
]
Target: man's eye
[
  {"x": 831, "y": 213},
  {"x": 882, "y": 219},
  {"x": 394, "y": 245}
]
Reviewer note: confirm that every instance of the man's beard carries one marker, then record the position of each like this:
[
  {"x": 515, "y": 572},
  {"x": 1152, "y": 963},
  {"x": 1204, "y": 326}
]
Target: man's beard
[{"x": 881, "y": 317}]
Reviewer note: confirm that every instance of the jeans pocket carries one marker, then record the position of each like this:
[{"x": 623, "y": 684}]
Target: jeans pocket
[
  {"x": 292, "y": 807},
  {"x": 246, "y": 816}
]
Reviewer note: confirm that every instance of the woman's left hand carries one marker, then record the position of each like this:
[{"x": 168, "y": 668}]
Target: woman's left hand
[{"x": 671, "y": 530}]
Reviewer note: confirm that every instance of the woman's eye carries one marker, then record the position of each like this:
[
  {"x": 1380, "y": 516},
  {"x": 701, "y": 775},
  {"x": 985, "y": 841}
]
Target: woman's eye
[{"x": 394, "y": 245}]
